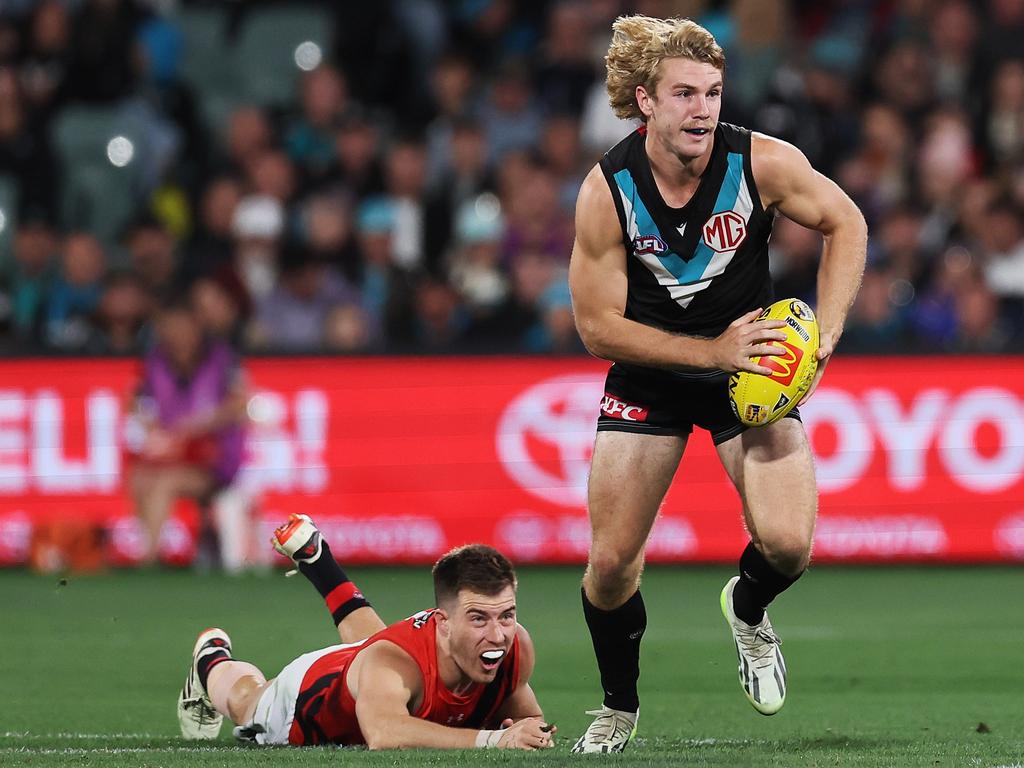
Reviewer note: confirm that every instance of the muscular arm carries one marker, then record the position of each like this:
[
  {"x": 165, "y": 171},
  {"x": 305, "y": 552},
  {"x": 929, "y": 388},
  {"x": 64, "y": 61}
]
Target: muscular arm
[
  {"x": 786, "y": 180},
  {"x": 388, "y": 681},
  {"x": 388, "y": 684},
  {"x": 597, "y": 279}
]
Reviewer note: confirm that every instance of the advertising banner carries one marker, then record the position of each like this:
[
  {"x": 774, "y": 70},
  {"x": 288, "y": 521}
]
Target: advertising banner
[{"x": 400, "y": 459}]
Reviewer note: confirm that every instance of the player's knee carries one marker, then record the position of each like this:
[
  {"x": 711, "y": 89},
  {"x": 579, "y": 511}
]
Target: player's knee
[
  {"x": 787, "y": 553},
  {"x": 609, "y": 567},
  {"x": 236, "y": 689},
  {"x": 238, "y": 704}
]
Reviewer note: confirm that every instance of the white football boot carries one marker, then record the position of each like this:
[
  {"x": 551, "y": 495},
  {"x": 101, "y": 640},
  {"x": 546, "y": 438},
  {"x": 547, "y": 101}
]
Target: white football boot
[
  {"x": 611, "y": 731},
  {"x": 298, "y": 539},
  {"x": 196, "y": 716},
  {"x": 762, "y": 670}
]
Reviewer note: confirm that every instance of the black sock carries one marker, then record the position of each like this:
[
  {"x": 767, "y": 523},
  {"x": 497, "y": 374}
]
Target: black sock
[
  {"x": 208, "y": 662},
  {"x": 616, "y": 635},
  {"x": 324, "y": 572},
  {"x": 335, "y": 587},
  {"x": 759, "y": 584}
]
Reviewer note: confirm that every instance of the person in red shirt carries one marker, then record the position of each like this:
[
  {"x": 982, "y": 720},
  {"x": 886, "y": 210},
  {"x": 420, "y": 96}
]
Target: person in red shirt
[{"x": 455, "y": 676}]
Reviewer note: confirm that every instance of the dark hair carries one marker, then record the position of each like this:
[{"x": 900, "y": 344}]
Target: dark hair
[
  {"x": 119, "y": 277},
  {"x": 476, "y": 567},
  {"x": 174, "y": 303}
]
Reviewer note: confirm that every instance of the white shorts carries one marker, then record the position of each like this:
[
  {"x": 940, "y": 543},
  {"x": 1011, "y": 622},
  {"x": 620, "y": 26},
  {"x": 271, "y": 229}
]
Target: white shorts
[{"x": 275, "y": 711}]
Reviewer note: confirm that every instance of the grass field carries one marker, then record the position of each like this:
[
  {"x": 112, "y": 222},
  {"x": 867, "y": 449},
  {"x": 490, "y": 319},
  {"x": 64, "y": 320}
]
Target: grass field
[{"x": 888, "y": 667}]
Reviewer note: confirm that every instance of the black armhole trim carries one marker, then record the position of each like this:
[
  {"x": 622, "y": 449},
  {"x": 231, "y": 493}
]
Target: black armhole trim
[
  {"x": 613, "y": 187},
  {"x": 748, "y": 170}
]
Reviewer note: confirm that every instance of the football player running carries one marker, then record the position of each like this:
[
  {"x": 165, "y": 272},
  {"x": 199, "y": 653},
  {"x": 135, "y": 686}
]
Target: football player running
[
  {"x": 669, "y": 272},
  {"x": 456, "y": 676}
]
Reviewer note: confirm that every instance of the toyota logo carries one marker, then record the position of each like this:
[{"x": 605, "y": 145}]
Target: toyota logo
[{"x": 546, "y": 437}]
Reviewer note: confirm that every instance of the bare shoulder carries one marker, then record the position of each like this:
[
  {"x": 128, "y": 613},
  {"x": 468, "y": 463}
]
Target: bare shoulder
[
  {"x": 777, "y": 165},
  {"x": 385, "y": 653},
  {"x": 525, "y": 641},
  {"x": 384, "y": 659},
  {"x": 527, "y": 654},
  {"x": 787, "y": 182},
  {"x": 597, "y": 223},
  {"x": 594, "y": 191},
  {"x": 771, "y": 151}
]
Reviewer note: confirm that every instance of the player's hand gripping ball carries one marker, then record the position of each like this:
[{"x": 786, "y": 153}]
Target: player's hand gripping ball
[{"x": 758, "y": 399}]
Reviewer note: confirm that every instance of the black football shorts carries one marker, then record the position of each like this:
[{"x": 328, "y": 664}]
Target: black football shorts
[{"x": 649, "y": 401}]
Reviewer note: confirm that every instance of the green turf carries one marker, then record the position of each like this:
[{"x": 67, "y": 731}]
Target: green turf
[{"x": 888, "y": 667}]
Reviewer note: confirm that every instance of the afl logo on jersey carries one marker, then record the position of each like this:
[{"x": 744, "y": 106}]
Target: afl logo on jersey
[
  {"x": 644, "y": 244},
  {"x": 725, "y": 231}
]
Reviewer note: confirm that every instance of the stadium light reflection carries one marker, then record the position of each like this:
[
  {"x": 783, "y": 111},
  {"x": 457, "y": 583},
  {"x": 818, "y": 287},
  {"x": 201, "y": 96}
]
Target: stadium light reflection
[
  {"x": 120, "y": 151},
  {"x": 308, "y": 56}
]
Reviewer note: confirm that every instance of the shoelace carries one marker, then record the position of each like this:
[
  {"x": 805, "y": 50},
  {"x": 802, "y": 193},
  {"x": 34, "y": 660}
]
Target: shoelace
[
  {"x": 205, "y": 711},
  {"x": 759, "y": 644},
  {"x": 615, "y": 725}
]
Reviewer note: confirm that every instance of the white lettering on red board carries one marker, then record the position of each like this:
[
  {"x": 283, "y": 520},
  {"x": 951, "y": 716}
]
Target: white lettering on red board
[
  {"x": 32, "y": 443},
  {"x": 879, "y": 536},
  {"x": 383, "y": 537},
  {"x": 530, "y": 537},
  {"x": 935, "y": 418},
  {"x": 287, "y": 440},
  {"x": 286, "y": 443}
]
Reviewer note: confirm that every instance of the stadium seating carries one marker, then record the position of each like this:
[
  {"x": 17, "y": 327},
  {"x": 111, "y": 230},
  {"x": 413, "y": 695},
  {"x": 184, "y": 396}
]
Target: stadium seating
[
  {"x": 8, "y": 218},
  {"x": 96, "y": 194},
  {"x": 208, "y": 64},
  {"x": 266, "y": 48}
]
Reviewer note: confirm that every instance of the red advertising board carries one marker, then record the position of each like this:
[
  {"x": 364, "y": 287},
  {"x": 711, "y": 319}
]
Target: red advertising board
[{"x": 399, "y": 459}]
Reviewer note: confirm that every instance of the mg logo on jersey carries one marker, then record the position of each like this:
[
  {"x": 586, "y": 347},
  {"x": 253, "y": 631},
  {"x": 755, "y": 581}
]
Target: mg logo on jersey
[
  {"x": 784, "y": 367},
  {"x": 725, "y": 231},
  {"x": 644, "y": 244},
  {"x": 546, "y": 436}
]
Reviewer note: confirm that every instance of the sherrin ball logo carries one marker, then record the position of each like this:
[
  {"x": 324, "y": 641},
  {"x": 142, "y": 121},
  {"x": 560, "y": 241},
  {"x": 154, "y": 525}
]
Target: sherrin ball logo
[{"x": 758, "y": 399}]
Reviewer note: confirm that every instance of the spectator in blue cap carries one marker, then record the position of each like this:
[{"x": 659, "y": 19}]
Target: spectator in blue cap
[
  {"x": 166, "y": 107},
  {"x": 474, "y": 265},
  {"x": 555, "y": 331},
  {"x": 386, "y": 287}
]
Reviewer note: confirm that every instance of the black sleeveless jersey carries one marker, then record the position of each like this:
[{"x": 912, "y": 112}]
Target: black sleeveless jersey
[{"x": 693, "y": 269}]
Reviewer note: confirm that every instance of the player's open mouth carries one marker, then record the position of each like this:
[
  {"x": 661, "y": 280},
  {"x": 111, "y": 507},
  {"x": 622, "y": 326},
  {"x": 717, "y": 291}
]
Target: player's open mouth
[
  {"x": 697, "y": 131},
  {"x": 491, "y": 659}
]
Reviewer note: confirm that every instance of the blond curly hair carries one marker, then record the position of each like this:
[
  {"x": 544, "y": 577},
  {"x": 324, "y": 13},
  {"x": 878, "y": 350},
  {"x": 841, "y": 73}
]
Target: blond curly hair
[{"x": 639, "y": 44}]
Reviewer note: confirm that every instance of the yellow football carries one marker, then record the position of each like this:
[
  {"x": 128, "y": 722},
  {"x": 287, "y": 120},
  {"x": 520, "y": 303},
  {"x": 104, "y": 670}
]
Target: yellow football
[{"x": 759, "y": 399}]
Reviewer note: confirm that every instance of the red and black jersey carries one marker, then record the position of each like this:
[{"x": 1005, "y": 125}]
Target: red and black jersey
[{"x": 325, "y": 712}]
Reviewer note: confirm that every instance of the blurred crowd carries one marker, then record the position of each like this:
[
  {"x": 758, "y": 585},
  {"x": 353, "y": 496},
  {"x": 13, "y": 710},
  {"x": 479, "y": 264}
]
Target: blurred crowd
[{"x": 411, "y": 186}]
